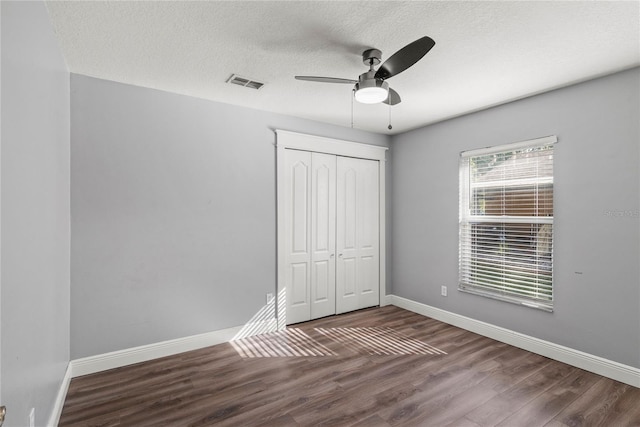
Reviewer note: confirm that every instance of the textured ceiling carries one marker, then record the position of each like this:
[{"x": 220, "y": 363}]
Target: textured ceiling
[{"x": 486, "y": 53}]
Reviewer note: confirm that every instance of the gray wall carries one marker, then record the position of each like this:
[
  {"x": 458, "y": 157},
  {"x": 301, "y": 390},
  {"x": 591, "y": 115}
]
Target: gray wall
[
  {"x": 597, "y": 213},
  {"x": 174, "y": 213},
  {"x": 173, "y": 210},
  {"x": 35, "y": 213}
]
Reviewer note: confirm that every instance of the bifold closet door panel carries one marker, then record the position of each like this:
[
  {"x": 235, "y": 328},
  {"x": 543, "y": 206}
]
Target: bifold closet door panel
[
  {"x": 357, "y": 234},
  {"x": 368, "y": 199},
  {"x": 323, "y": 235},
  {"x": 310, "y": 235},
  {"x": 298, "y": 235}
]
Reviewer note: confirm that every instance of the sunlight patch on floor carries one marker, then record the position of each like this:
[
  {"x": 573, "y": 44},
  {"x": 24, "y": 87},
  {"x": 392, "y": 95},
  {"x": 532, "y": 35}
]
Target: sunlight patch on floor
[
  {"x": 290, "y": 342},
  {"x": 378, "y": 341}
]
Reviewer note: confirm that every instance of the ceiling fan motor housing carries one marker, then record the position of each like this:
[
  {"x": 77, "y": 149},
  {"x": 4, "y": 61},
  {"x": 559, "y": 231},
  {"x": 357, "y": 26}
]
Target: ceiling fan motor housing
[{"x": 368, "y": 79}]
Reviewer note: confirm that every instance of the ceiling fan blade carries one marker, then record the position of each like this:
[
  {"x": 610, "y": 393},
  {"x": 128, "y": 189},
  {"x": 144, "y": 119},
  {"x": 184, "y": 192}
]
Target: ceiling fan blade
[
  {"x": 325, "y": 79},
  {"x": 405, "y": 58},
  {"x": 393, "y": 98}
]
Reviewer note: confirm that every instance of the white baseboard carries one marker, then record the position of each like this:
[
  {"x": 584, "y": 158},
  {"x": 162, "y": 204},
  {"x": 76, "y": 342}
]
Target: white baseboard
[
  {"x": 599, "y": 365},
  {"x": 129, "y": 356},
  {"x": 256, "y": 328},
  {"x": 54, "y": 418}
]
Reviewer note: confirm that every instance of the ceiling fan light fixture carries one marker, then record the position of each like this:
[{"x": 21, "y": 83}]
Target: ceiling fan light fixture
[{"x": 372, "y": 91}]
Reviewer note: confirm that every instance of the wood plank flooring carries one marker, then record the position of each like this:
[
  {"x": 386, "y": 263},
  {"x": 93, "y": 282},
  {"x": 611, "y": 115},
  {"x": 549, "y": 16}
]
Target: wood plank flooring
[{"x": 377, "y": 367}]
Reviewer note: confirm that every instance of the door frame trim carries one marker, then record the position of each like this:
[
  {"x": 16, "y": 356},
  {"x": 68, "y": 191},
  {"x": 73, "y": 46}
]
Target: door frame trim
[{"x": 318, "y": 144}]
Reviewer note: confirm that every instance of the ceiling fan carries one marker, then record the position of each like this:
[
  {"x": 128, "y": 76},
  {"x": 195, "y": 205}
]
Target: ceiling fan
[{"x": 371, "y": 87}]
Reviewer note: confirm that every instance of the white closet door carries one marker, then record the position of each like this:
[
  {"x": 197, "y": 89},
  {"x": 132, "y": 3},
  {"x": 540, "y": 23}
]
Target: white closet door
[
  {"x": 310, "y": 201},
  {"x": 298, "y": 235},
  {"x": 357, "y": 234},
  {"x": 323, "y": 235}
]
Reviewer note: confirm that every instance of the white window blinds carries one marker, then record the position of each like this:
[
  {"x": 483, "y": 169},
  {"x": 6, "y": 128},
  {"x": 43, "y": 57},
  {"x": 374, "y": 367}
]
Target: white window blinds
[{"x": 506, "y": 222}]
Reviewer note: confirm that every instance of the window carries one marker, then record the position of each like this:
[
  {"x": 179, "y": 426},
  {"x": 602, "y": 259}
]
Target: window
[{"x": 506, "y": 222}]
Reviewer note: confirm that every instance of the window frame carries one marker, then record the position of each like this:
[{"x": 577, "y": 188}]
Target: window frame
[{"x": 469, "y": 280}]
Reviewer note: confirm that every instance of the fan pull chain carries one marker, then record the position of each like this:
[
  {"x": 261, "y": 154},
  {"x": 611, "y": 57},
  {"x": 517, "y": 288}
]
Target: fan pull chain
[
  {"x": 353, "y": 94},
  {"x": 389, "y": 127}
]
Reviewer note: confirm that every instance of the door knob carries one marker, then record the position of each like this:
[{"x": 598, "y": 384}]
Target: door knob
[{"x": 3, "y": 412}]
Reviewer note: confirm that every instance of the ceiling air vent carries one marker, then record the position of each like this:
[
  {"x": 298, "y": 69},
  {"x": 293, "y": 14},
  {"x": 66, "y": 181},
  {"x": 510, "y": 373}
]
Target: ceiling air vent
[{"x": 242, "y": 81}]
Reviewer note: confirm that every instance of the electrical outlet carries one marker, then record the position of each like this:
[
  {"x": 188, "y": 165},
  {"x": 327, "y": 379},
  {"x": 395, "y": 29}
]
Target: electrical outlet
[
  {"x": 269, "y": 298},
  {"x": 32, "y": 417},
  {"x": 443, "y": 291}
]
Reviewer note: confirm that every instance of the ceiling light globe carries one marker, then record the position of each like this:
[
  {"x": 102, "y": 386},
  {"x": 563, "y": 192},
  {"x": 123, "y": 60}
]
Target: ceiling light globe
[
  {"x": 371, "y": 95},
  {"x": 371, "y": 91}
]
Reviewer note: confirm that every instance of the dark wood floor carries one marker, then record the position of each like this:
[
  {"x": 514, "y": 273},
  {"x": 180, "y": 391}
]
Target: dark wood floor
[{"x": 376, "y": 367}]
